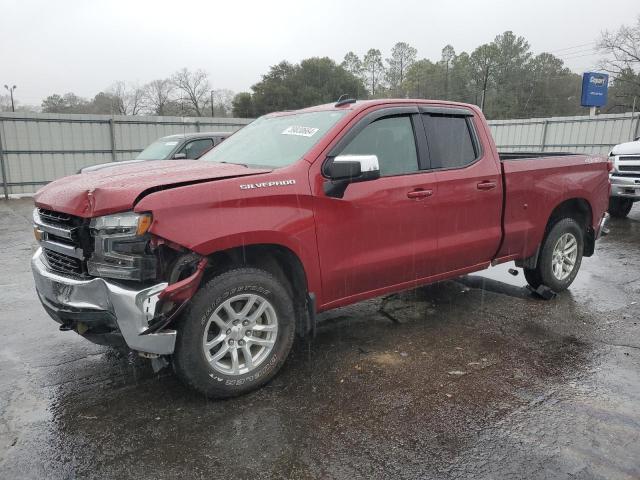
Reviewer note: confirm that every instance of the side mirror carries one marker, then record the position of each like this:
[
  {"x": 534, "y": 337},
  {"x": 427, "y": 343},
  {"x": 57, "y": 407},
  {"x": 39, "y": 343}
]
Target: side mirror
[
  {"x": 345, "y": 169},
  {"x": 180, "y": 156}
]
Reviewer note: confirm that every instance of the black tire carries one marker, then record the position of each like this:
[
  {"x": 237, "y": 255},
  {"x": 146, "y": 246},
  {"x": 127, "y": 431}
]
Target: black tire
[
  {"x": 543, "y": 273},
  {"x": 620, "y": 207},
  {"x": 189, "y": 360}
]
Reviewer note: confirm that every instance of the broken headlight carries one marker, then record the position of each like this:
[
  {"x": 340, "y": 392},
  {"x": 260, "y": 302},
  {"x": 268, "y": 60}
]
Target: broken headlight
[{"x": 122, "y": 247}]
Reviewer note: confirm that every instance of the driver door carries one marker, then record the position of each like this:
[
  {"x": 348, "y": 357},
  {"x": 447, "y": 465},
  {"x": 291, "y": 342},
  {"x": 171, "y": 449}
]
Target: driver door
[{"x": 382, "y": 231}]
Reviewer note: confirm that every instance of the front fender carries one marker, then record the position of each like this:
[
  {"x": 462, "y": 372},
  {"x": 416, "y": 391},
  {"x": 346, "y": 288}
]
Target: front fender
[{"x": 211, "y": 217}]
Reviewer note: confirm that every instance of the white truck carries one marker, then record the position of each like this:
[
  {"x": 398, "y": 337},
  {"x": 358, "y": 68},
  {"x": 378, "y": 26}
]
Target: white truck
[{"x": 625, "y": 178}]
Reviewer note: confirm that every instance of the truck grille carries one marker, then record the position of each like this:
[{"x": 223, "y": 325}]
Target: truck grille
[
  {"x": 62, "y": 263},
  {"x": 59, "y": 219},
  {"x": 65, "y": 240},
  {"x": 629, "y": 164}
]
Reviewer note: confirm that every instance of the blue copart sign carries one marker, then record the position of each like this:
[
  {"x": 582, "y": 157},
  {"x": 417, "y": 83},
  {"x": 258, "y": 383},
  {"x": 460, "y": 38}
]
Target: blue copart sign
[{"x": 594, "y": 89}]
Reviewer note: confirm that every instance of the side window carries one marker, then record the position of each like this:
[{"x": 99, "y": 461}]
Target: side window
[
  {"x": 196, "y": 147},
  {"x": 392, "y": 140},
  {"x": 450, "y": 141}
]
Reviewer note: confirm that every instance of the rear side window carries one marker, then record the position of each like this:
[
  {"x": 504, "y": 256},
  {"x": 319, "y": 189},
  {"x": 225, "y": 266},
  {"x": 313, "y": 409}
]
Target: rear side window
[
  {"x": 451, "y": 142},
  {"x": 392, "y": 140}
]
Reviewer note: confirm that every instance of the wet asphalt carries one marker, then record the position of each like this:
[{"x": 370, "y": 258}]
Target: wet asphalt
[{"x": 468, "y": 379}]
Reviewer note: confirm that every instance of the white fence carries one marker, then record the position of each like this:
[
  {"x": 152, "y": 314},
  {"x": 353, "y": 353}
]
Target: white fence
[
  {"x": 38, "y": 148},
  {"x": 570, "y": 134}
]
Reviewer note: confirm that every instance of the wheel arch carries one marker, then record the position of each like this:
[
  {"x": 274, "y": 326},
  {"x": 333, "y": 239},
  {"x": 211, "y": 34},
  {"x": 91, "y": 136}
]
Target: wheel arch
[
  {"x": 280, "y": 261},
  {"x": 580, "y": 210},
  {"x": 577, "y": 208}
]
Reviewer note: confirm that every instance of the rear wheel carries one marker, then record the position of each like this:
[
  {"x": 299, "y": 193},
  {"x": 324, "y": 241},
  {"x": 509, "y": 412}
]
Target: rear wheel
[
  {"x": 236, "y": 335},
  {"x": 620, "y": 207},
  {"x": 560, "y": 257}
]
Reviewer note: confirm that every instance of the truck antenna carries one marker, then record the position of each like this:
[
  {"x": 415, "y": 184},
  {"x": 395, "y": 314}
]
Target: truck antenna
[{"x": 344, "y": 100}]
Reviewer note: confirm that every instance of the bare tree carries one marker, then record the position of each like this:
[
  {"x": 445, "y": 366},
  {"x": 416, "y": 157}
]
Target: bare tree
[
  {"x": 222, "y": 102},
  {"x": 194, "y": 87},
  {"x": 118, "y": 92},
  {"x": 128, "y": 100},
  {"x": 158, "y": 95},
  {"x": 136, "y": 99},
  {"x": 5, "y": 103},
  {"x": 623, "y": 57}
]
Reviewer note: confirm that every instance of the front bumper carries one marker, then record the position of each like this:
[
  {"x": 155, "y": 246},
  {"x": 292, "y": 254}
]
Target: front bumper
[
  {"x": 68, "y": 299},
  {"x": 628, "y": 187}
]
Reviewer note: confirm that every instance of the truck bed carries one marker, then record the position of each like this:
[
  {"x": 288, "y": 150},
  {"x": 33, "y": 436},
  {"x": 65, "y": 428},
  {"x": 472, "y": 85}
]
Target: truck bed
[
  {"x": 523, "y": 155},
  {"x": 535, "y": 183}
]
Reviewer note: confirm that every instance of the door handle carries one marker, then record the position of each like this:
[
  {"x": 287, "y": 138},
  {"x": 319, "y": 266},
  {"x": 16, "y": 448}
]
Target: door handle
[
  {"x": 486, "y": 185},
  {"x": 419, "y": 193}
]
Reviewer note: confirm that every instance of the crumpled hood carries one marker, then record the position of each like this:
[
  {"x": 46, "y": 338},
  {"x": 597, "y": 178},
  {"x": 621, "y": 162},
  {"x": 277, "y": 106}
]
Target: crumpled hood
[
  {"x": 629, "y": 148},
  {"x": 117, "y": 189}
]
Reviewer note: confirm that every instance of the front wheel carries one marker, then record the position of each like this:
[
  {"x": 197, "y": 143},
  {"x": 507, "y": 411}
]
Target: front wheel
[
  {"x": 236, "y": 335},
  {"x": 560, "y": 257},
  {"x": 620, "y": 207}
]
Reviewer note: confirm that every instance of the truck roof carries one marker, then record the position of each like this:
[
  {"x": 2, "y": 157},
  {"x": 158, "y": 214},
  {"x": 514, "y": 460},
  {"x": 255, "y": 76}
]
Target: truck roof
[{"x": 363, "y": 104}]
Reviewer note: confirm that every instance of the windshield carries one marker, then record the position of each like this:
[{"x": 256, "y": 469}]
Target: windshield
[
  {"x": 159, "y": 150},
  {"x": 275, "y": 141}
]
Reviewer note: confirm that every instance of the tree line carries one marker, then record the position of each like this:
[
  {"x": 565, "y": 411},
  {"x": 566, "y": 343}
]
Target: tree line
[
  {"x": 504, "y": 77},
  {"x": 185, "y": 93}
]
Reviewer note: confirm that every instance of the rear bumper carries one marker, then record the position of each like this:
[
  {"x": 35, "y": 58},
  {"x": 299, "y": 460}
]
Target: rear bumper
[
  {"x": 628, "y": 187},
  {"x": 98, "y": 301}
]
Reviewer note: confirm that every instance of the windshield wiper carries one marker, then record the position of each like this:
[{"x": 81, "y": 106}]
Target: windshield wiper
[{"x": 232, "y": 163}]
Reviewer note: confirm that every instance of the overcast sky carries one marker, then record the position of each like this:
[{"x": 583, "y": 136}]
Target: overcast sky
[{"x": 83, "y": 46}]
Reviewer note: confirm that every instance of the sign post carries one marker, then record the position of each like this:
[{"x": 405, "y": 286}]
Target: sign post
[{"x": 595, "y": 87}]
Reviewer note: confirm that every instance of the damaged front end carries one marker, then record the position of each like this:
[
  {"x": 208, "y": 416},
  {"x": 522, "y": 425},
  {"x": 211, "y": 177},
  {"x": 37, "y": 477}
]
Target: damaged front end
[{"x": 111, "y": 281}]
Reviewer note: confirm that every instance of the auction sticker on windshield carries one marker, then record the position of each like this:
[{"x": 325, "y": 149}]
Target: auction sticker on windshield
[{"x": 300, "y": 131}]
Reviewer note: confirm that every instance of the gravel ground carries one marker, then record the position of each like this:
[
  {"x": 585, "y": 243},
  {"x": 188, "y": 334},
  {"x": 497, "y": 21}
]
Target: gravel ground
[{"x": 466, "y": 379}]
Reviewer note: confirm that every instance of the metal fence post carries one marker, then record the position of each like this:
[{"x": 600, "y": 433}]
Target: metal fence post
[
  {"x": 635, "y": 135},
  {"x": 112, "y": 133},
  {"x": 3, "y": 169},
  {"x": 544, "y": 135}
]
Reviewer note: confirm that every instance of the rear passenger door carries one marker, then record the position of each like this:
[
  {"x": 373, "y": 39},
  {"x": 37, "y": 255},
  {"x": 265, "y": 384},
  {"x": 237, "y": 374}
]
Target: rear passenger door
[{"x": 468, "y": 207}]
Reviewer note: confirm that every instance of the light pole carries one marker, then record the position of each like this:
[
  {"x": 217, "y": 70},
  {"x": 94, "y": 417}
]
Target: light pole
[
  {"x": 13, "y": 107},
  {"x": 212, "y": 103}
]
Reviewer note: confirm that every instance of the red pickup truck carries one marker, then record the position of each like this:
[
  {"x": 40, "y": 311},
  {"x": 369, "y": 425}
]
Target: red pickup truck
[{"x": 216, "y": 265}]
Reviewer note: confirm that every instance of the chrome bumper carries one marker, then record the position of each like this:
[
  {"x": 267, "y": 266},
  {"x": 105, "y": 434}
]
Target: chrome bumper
[
  {"x": 628, "y": 187},
  {"x": 97, "y": 298}
]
